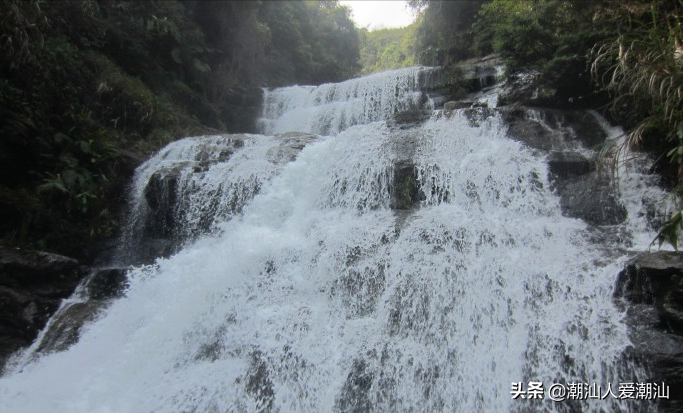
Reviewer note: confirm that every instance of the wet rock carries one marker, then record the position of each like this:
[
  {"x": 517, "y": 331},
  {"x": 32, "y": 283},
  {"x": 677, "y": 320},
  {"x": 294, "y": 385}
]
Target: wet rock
[
  {"x": 529, "y": 131},
  {"x": 480, "y": 72},
  {"x": 655, "y": 278},
  {"x": 460, "y": 104},
  {"x": 355, "y": 395},
  {"x": 564, "y": 165},
  {"x": 148, "y": 249},
  {"x": 592, "y": 199},
  {"x": 552, "y": 129},
  {"x": 409, "y": 118},
  {"x": 651, "y": 288},
  {"x": 359, "y": 288},
  {"x": 585, "y": 127},
  {"x": 23, "y": 314},
  {"x": 161, "y": 194},
  {"x": 259, "y": 385},
  {"x": 526, "y": 90},
  {"x": 220, "y": 153},
  {"x": 476, "y": 115},
  {"x": 107, "y": 283},
  {"x": 65, "y": 329},
  {"x": 32, "y": 284},
  {"x": 101, "y": 287},
  {"x": 405, "y": 191},
  {"x": 291, "y": 144},
  {"x": 41, "y": 273}
]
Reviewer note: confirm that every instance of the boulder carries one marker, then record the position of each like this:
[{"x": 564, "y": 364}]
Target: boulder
[
  {"x": 32, "y": 284},
  {"x": 161, "y": 194},
  {"x": 524, "y": 89},
  {"x": 563, "y": 165},
  {"x": 459, "y": 104},
  {"x": 101, "y": 287},
  {"x": 592, "y": 199},
  {"x": 650, "y": 287},
  {"x": 65, "y": 329},
  {"x": 530, "y": 130},
  {"x": 22, "y": 315},
  {"x": 552, "y": 129},
  {"x": 655, "y": 278},
  {"x": 40, "y": 273},
  {"x": 161, "y": 190},
  {"x": 476, "y": 115},
  {"x": 409, "y": 118},
  {"x": 584, "y": 126}
]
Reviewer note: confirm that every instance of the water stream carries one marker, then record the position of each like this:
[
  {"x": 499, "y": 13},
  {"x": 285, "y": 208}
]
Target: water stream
[{"x": 310, "y": 293}]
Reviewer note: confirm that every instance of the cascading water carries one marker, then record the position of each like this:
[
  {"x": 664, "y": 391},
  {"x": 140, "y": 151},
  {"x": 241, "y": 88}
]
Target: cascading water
[
  {"x": 331, "y": 108},
  {"x": 317, "y": 295}
]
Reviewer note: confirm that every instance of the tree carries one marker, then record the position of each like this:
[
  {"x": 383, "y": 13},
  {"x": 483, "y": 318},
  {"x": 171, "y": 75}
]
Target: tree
[
  {"x": 445, "y": 33},
  {"x": 385, "y": 49},
  {"x": 83, "y": 81}
]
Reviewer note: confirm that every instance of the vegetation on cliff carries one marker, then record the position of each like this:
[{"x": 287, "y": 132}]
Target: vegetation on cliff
[
  {"x": 85, "y": 85},
  {"x": 385, "y": 49}
]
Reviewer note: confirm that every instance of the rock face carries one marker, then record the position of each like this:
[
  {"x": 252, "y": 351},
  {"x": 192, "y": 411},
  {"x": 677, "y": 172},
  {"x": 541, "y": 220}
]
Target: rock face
[
  {"x": 101, "y": 287},
  {"x": 656, "y": 279},
  {"x": 563, "y": 134},
  {"x": 481, "y": 72},
  {"x": 459, "y": 104},
  {"x": 32, "y": 284},
  {"x": 405, "y": 192},
  {"x": 552, "y": 129},
  {"x": 564, "y": 165},
  {"x": 409, "y": 118},
  {"x": 241, "y": 109},
  {"x": 465, "y": 77},
  {"x": 291, "y": 144},
  {"x": 651, "y": 289},
  {"x": 592, "y": 199},
  {"x": 170, "y": 218}
]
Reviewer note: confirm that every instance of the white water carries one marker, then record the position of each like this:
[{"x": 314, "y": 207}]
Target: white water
[
  {"x": 318, "y": 298},
  {"x": 215, "y": 177},
  {"x": 331, "y": 108}
]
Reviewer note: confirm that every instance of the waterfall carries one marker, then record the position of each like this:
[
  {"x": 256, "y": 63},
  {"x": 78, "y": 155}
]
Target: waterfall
[
  {"x": 309, "y": 290},
  {"x": 331, "y": 108}
]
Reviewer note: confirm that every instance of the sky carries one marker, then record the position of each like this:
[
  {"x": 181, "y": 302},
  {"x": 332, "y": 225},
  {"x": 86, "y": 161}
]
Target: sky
[{"x": 380, "y": 14}]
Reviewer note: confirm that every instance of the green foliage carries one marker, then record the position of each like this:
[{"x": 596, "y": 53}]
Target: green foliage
[
  {"x": 640, "y": 63},
  {"x": 445, "y": 32},
  {"x": 385, "y": 49},
  {"x": 453, "y": 82},
  {"x": 83, "y": 81},
  {"x": 553, "y": 37},
  {"x": 669, "y": 233}
]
